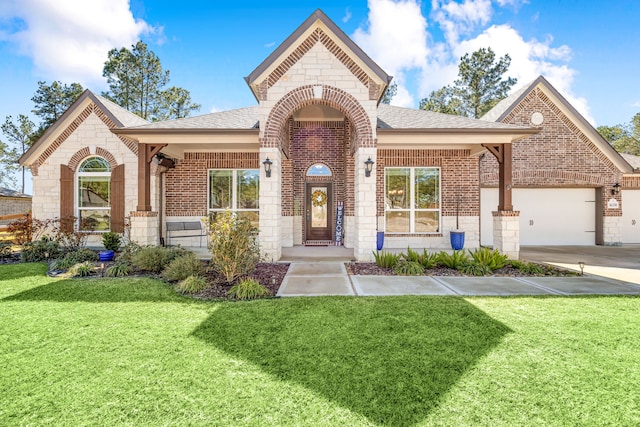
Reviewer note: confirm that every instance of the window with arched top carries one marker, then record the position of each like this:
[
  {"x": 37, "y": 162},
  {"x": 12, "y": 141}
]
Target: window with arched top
[
  {"x": 319, "y": 169},
  {"x": 93, "y": 195}
]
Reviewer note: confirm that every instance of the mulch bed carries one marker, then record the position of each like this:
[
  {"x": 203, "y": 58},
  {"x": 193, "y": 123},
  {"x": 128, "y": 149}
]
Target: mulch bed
[
  {"x": 371, "y": 268},
  {"x": 269, "y": 274}
]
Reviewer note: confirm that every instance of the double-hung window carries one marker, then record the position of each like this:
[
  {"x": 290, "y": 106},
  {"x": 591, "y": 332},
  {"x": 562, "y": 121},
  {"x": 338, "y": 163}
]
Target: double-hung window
[
  {"x": 412, "y": 200},
  {"x": 237, "y": 190},
  {"x": 94, "y": 195}
]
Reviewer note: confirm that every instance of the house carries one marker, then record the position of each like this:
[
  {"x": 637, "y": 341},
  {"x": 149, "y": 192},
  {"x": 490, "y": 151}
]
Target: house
[
  {"x": 13, "y": 203},
  {"x": 319, "y": 160},
  {"x": 570, "y": 186}
]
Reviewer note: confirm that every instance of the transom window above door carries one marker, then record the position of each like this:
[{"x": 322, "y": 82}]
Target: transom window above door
[{"x": 319, "y": 169}]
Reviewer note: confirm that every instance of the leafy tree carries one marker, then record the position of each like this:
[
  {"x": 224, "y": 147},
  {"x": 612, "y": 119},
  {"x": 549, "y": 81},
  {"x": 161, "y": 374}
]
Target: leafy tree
[
  {"x": 51, "y": 101},
  {"x": 136, "y": 82},
  {"x": 392, "y": 90},
  {"x": 176, "y": 104},
  {"x": 625, "y": 138},
  {"x": 479, "y": 87},
  {"x": 442, "y": 101},
  {"x": 9, "y": 166},
  {"x": 21, "y": 136}
]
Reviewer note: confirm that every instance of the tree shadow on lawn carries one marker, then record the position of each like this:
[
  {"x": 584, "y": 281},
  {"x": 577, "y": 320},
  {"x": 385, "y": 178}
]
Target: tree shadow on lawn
[
  {"x": 389, "y": 359},
  {"x": 22, "y": 270},
  {"x": 101, "y": 290}
]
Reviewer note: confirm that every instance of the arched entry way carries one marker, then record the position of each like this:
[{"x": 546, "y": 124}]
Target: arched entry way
[{"x": 316, "y": 124}]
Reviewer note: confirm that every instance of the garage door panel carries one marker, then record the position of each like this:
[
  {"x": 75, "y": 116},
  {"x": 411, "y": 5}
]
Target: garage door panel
[
  {"x": 630, "y": 221},
  {"x": 547, "y": 216}
]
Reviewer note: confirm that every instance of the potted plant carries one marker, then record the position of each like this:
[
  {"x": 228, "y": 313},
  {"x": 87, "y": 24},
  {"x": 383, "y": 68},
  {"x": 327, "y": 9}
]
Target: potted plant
[
  {"x": 111, "y": 242},
  {"x": 457, "y": 235}
]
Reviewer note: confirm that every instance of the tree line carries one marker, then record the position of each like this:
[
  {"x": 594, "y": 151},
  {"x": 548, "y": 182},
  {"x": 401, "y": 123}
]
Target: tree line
[{"x": 137, "y": 82}]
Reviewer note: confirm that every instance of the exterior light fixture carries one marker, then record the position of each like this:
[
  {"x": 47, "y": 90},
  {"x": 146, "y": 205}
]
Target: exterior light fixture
[
  {"x": 581, "y": 265},
  {"x": 616, "y": 189},
  {"x": 368, "y": 166},
  {"x": 267, "y": 167}
]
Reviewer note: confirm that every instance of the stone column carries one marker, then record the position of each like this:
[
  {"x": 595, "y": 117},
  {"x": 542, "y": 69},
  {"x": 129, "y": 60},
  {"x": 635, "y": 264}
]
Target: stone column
[
  {"x": 145, "y": 227},
  {"x": 365, "y": 206},
  {"x": 612, "y": 233},
  {"x": 506, "y": 232},
  {"x": 271, "y": 205}
]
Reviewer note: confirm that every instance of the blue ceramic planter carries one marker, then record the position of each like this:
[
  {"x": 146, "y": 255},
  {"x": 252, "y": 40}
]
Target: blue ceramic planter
[
  {"x": 380, "y": 239},
  {"x": 105, "y": 255},
  {"x": 457, "y": 240}
]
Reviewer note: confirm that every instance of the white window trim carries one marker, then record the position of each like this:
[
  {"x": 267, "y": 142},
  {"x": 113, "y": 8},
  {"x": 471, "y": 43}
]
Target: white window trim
[
  {"x": 76, "y": 201},
  {"x": 234, "y": 190},
  {"x": 412, "y": 209}
]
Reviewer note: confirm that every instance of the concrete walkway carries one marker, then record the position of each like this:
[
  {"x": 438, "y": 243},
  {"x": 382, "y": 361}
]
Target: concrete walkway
[{"x": 331, "y": 278}]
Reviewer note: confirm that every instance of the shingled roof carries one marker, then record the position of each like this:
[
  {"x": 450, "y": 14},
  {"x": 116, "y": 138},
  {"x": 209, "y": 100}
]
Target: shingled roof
[
  {"x": 5, "y": 192},
  {"x": 241, "y": 118}
]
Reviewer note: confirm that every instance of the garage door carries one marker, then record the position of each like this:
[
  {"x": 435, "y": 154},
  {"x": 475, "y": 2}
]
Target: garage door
[
  {"x": 630, "y": 216},
  {"x": 547, "y": 216}
]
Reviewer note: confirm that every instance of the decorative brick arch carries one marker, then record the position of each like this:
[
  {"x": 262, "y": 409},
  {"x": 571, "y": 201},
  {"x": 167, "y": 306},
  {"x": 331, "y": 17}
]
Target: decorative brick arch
[
  {"x": 331, "y": 97},
  {"x": 77, "y": 158}
]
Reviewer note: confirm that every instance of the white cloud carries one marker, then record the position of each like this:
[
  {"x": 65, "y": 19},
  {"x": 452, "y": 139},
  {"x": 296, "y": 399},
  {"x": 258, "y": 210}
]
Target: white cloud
[
  {"x": 457, "y": 19},
  {"x": 347, "y": 16},
  {"x": 396, "y": 38},
  {"x": 69, "y": 40}
]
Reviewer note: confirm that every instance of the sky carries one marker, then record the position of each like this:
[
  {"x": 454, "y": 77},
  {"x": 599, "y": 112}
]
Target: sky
[{"x": 589, "y": 51}]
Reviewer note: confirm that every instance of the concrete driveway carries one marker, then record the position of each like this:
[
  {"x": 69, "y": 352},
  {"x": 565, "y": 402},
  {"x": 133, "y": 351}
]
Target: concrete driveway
[{"x": 616, "y": 262}]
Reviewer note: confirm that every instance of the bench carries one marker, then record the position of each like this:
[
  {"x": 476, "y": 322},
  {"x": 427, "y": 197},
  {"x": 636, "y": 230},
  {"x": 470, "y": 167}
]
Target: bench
[{"x": 184, "y": 229}]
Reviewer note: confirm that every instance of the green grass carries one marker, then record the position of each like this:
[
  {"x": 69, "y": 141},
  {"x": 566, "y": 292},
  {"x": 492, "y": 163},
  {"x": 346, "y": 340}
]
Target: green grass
[{"x": 133, "y": 352}]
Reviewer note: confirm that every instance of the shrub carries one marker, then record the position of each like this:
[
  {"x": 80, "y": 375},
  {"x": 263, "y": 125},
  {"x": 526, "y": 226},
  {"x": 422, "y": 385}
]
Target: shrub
[
  {"x": 248, "y": 289},
  {"x": 5, "y": 249},
  {"x": 428, "y": 260},
  {"x": 72, "y": 258},
  {"x": 233, "y": 246},
  {"x": 40, "y": 250},
  {"x": 453, "y": 260},
  {"x": 111, "y": 241},
  {"x": 23, "y": 229},
  {"x": 83, "y": 269},
  {"x": 118, "y": 269},
  {"x": 386, "y": 259},
  {"x": 491, "y": 259},
  {"x": 474, "y": 268},
  {"x": 408, "y": 268},
  {"x": 528, "y": 268},
  {"x": 182, "y": 267},
  {"x": 154, "y": 258},
  {"x": 412, "y": 255},
  {"x": 192, "y": 284},
  {"x": 128, "y": 251},
  {"x": 65, "y": 233}
]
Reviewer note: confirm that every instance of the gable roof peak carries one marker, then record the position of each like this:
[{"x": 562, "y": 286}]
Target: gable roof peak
[{"x": 276, "y": 57}]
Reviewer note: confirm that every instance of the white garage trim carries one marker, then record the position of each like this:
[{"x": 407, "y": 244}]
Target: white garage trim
[{"x": 548, "y": 216}]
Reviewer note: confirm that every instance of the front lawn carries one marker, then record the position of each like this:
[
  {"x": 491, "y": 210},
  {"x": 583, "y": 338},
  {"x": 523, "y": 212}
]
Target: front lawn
[{"x": 133, "y": 352}]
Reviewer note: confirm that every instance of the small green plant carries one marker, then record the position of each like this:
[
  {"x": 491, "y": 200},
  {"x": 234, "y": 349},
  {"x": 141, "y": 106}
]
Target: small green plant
[
  {"x": 44, "y": 249},
  {"x": 408, "y": 268},
  {"x": 83, "y": 269},
  {"x": 386, "y": 259},
  {"x": 192, "y": 284},
  {"x": 73, "y": 258},
  {"x": 128, "y": 251},
  {"x": 248, "y": 289},
  {"x": 119, "y": 269},
  {"x": 412, "y": 255},
  {"x": 182, "y": 267},
  {"x": 453, "y": 260},
  {"x": 233, "y": 246},
  {"x": 492, "y": 259},
  {"x": 474, "y": 268},
  {"x": 111, "y": 241},
  {"x": 528, "y": 268},
  {"x": 5, "y": 249},
  {"x": 154, "y": 258},
  {"x": 428, "y": 260}
]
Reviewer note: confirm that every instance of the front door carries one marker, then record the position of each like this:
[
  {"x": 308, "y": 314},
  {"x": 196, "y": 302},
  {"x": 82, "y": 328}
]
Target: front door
[{"x": 318, "y": 203}]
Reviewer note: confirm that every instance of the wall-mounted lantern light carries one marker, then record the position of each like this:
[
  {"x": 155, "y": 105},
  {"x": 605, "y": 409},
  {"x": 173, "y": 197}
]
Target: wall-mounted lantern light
[
  {"x": 368, "y": 166},
  {"x": 267, "y": 167},
  {"x": 616, "y": 189}
]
